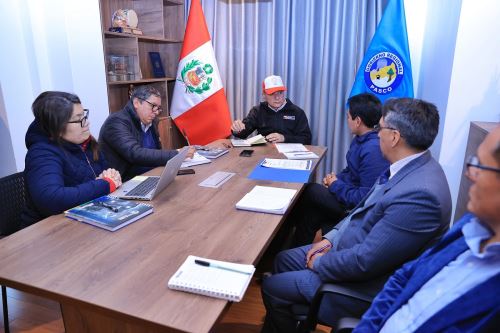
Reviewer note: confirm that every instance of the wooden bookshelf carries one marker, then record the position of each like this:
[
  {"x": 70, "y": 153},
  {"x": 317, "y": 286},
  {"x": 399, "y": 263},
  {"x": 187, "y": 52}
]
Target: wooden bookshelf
[{"x": 162, "y": 24}]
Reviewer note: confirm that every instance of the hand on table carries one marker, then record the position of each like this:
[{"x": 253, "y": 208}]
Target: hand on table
[
  {"x": 112, "y": 174},
  {"x": 275, "y": 137}
]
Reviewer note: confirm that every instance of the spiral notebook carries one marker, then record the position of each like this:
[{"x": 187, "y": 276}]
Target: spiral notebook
[{"x": 219, "y": 279}]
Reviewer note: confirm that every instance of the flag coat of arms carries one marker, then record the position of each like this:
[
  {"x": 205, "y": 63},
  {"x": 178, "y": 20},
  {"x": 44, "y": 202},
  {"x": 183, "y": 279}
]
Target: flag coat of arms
[
  {"x": 199, "y": 105},
  {"x": 386, "y": 68}
]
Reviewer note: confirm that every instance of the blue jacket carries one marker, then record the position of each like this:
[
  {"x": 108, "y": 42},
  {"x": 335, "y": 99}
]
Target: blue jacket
[
  {"x": 475, "y": 311},
  {"x": 411, "y": 215},
  {"x": 58, "y": 177},
  {"x": 364, "y": 164}
]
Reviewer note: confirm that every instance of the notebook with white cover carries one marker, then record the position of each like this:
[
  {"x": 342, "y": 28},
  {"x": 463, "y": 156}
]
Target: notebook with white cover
[
  {"x": 221, "y": 279},
  {"x": 266, "y": 199}
]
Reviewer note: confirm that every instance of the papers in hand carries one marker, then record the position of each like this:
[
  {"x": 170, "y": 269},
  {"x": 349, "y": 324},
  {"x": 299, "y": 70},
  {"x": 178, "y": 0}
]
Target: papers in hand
[
  {"x": 265, "y": 199},
  {"x": 213, "y": 278},
  {"x": 286, "y": 164},
  {"x": 196, "y": 160},
  {"x": 255, "y": 140}
]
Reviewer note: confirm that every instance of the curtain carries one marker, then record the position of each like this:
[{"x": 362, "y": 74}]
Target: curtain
[{"x": 316, "y": 46}]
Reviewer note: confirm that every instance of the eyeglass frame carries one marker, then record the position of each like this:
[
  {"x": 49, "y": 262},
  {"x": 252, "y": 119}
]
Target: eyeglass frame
[
  {"x": 378, "y": 128},
  {"x": 473, "y": 161},
  {"x": 83, "y": 120},
  {"x": 159, "y": 109}
]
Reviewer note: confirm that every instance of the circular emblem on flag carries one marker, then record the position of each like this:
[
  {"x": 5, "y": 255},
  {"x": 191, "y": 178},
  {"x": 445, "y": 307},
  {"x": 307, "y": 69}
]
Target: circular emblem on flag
[
  {"x": 384, "y": 72},
  {"x": 196, "y": 76}
]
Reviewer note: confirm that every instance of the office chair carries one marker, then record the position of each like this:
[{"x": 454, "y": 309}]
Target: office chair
[
  {"x": 12, "y": 202},
  {"x": 307, "y": 316}
]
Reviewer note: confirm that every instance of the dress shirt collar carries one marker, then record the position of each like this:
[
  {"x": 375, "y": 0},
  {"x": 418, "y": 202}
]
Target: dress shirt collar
[
  {"x": 474, "y": 233},
  {"x": 145, "y": 127},
  {"x": 396, "y": 166}
]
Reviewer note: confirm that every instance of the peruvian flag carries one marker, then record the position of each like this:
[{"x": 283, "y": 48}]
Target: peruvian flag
[{"x": 199, "y": 106}]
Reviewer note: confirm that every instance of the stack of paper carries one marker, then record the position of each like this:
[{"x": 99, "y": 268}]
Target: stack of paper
[
  {"x": 213, "y": 278},
  {"x": 255, "y": 140},
  {"x": 300, "y": 155},
  {"x": 265, "y": 199},
  {"x": 197, "y": 159},
  {"x": 295, "y": 151},
  {"x": 290, "y": 147}
]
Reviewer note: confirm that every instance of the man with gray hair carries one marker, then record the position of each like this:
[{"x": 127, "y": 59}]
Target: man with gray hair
[
  {"x": 129, "y": 138},
  {"x": 407, "y": 210}
]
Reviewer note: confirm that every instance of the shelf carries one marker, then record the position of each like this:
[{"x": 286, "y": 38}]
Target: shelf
[
  {"x": 173, "y": 2},
  {"x": 140, "y": 37},
  {"x": 161, "y": 79}
]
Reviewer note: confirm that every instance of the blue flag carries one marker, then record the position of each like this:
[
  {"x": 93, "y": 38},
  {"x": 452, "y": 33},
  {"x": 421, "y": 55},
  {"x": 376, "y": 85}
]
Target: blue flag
[{"x": 386, "y": 68}]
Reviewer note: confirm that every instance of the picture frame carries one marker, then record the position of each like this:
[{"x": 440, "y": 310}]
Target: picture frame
[{"x": 156, "y": 65}]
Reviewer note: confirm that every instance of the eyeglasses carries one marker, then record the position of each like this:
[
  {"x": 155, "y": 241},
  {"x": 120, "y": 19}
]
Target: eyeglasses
[
  {"x": 82, "y": 121},
  {"x": 378, "y": 128},
  {"x": 473, "y": 162},
  {"x": 154, "y": 107}
]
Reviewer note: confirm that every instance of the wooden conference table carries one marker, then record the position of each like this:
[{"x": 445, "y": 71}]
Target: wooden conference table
[{"x": 117, "y": 281}]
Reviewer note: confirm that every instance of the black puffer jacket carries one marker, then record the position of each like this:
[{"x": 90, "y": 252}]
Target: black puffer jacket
[{"x": 120, "y": 139}]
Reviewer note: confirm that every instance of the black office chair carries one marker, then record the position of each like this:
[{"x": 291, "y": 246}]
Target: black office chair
[
  {"x": 307, "y": 316},
  {"x": 12, "y": 202}
]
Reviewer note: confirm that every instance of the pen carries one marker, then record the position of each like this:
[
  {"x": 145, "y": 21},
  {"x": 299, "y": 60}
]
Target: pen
[
  {"x": 108, "y": 206},
  {"x": 211, "y": 264},
  {"x": 318, "y": 251}
]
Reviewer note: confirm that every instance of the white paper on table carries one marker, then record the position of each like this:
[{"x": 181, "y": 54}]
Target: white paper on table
[
  {"x": 290, "y": 147},
  {"x": 287, "y": 164}
]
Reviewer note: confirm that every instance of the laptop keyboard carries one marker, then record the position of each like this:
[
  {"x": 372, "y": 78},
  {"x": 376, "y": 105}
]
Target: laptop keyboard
[{"x": 145, "y": 187}]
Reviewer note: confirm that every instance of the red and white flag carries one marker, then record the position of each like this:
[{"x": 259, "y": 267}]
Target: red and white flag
[{"x": 199, "y": 106}]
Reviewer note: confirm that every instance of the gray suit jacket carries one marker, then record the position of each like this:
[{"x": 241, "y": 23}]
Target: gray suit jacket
[{"x": 413, "y": 213}]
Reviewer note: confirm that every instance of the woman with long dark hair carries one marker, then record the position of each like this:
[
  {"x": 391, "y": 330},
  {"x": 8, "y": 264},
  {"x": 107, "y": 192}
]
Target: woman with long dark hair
[{"x": 64, "y": 167}]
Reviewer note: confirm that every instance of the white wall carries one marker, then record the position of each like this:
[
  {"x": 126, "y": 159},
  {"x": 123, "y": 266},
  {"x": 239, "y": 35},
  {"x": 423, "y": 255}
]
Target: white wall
[
  {"x": 474, "y": 91},
  {"x": 47, "y": 45}
]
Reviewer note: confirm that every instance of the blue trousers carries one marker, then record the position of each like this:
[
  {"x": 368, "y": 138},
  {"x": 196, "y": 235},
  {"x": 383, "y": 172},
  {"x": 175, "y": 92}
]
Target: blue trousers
[{"x": 293, "y": 283}]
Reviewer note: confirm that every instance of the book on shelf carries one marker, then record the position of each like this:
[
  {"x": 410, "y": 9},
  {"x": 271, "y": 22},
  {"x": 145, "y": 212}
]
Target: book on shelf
[
  {"x": 266, "y": 199},
  {"x": 156, "y": 64},
  {"x": 254, "y": 140},
  {"x": 214, "y": 278},
  {"x": 108, "y": 212},
  {"x": 196, "y": 160},
  {"x": 211, "y": 153}
]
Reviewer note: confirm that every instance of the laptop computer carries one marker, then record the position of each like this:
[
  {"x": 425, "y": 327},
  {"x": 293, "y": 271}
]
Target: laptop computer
[{"x": 146, "y": 187}]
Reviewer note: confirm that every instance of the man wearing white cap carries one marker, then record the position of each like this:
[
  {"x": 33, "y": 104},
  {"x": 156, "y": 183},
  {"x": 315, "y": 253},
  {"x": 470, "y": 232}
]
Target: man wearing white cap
[{"x": 277, "y": 118}]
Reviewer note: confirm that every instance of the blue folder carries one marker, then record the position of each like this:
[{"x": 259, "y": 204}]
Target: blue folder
[{"x": 279, "y": 175}]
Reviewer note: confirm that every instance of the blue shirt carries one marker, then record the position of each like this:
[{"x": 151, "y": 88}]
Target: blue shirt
[{"x": 468, "y": 270}]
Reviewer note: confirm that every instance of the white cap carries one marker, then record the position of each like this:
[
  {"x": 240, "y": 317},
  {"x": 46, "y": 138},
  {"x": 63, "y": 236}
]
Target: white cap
[{"x": 272, "y": 84}]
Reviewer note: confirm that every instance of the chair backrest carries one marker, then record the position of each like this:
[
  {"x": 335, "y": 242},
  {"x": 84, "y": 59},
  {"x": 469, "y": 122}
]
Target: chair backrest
[{"x": 12, "y": 202}]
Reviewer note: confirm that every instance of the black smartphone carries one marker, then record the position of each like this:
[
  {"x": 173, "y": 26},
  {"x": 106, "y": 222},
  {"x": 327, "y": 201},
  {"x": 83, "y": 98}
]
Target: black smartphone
[
  {"x": 246, "y": 152},
  {"x": 185, "y": 172}
]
